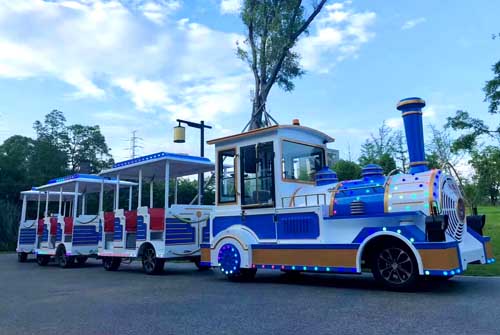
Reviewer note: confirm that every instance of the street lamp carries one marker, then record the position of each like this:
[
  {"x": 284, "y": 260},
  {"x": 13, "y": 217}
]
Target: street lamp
[{"x": 180, "y": 137}]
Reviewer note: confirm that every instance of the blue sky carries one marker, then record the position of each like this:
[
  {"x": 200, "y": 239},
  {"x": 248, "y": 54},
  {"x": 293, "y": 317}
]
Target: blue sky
[{"x": 139, "y": 65}]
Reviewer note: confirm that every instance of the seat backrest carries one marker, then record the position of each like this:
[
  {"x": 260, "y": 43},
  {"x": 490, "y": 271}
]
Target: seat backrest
[
  {"x": 109, "y": 222},
  {"x": 68, "y": 225},
  {"x": 53, "y": 226},
  {"x": 157, "y": 217},
  {"x": 131, "y": 221},
  {"x": 40, "y": 227}
]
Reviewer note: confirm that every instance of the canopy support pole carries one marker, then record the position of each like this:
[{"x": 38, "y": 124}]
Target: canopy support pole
[
  {"x": 167, "y": 185},
  {"x": 139, "y": 197},
  {"x": 151, "y": 194},
  {"x": 130, "y": 198},
  {"x": 38, "y": 207},
  {"x": 23, "y": 212},
  {"x": 60, "y": 201},
  {"x": 84, "y": 203},
  {"x": 75, "y": 201},
  {"x": 117, "y": 192},
  {"x": 101, "y": 197},
  {"x": 175, "y": 190},
  {"x": 46, "y": 204}
]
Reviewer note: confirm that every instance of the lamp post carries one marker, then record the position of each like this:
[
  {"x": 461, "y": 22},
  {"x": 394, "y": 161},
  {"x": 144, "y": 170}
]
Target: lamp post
[{"x": 180, "y": 137}]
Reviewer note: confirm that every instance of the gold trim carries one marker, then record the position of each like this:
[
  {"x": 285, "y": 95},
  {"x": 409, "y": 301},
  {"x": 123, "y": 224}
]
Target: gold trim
[
  {"x": 439, "y": 259},
  {"x": 292, "y": 198},
  {"x": 332, "y": 198},
  {"x": 411, "y": 113},
  {"x": 386, "y": 194},
  {"x": 431, "y": 190},
  {"x": 419, "y": 163},
  {"x": 243, "y": 245},
  {"x": 412, "y": 101}
]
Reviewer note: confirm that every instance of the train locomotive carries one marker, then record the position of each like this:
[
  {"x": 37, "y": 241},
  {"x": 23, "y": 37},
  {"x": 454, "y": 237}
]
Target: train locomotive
[{"x": 278, "y": 207}]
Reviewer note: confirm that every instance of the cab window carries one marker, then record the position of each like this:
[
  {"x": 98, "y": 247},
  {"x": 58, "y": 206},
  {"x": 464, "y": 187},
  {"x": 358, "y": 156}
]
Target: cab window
[
  {"x": 300, "y": 162},
  {"x": 257, "y": 177},
  {"x": 227, "y": 187}
]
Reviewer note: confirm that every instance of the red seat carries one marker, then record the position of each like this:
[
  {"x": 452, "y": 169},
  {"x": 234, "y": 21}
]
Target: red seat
[
  {"x": 109, "y": 222},
  {"x": 53, "y": 226},
  {"x": 131, "y": 221},
  {"x": 68, "y": 225},
  {"x": 40, "y": 227},
  {"x": 157, "y": 216}
]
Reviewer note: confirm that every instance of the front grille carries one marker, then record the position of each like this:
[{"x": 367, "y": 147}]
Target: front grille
[{"x": 452, "y": 205}]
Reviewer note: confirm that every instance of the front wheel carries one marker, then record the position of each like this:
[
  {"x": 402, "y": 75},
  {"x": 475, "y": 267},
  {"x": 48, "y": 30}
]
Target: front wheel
[
  {"x": 22, "y": 257},
  {"x": 42, "y": 260},
  {"x": 150, "y": 263},
  {"x": 230, "y": 264},
  {"x": 64, "y": 260},
  {"x": 111, "y": 263},
  {"x": 395, "y": 267}
]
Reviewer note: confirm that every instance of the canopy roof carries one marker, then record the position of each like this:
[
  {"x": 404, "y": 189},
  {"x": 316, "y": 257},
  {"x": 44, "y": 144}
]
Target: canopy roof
[
  {"x": 153, "y": 166},
  {"x": 32, "y": 195},
  {"x": 86, "y": 184}
]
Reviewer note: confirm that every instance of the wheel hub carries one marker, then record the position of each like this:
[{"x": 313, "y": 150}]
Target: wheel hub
[{"x": 229, "y": 259}]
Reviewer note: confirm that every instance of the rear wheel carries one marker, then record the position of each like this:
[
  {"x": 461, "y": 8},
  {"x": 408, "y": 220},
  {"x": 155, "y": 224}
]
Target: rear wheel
[
  {"x": 42, "y": 260},
  {"x": 230, "y": 264},
  {"x": 111, "y": 263},
  {"x": 150, "y": 263},
  {"x": 64, "y": 260},
  {"x": 22, "y": 257},
  {"x": 394, "y": 266}
]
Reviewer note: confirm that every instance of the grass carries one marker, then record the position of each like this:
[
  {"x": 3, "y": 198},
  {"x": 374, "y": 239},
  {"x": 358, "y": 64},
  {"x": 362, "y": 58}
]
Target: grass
[{"x": 492, "y": 229}]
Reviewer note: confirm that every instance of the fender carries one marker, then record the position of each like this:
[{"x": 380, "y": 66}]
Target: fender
[
  {"x": 241, "y": 237},
  {"x": 395, "y": 235}
]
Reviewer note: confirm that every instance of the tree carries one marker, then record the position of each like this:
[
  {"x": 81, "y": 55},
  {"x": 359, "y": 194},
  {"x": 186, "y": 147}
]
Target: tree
[
  {"x": 381, "y": 149},
  {"x": 273, "y": 28},
  {"x": 84, "y": 147},
  {"x": 347, "y": 170},
  {"x": 439, "y": 150},
  {"x": 474, "y": 127},
  {"x": 401, "y": 151},
  {"x": 486, "y": 164},
  {"x": 15, "y": 175}
]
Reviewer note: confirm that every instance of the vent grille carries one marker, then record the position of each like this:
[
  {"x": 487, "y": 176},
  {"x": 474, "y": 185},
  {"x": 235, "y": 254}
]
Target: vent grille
[
  {"x": 357, "y": 207},
  {"x": 452, "y": 204}
]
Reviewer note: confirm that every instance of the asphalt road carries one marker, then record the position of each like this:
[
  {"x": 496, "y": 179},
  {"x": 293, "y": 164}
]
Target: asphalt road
[{"x": 89, "y": 300}]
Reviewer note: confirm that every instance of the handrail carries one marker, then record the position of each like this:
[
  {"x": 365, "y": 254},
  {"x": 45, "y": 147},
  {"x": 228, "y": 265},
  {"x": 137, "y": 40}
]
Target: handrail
[
  {"x": 460, "y": 184},
  {"x": 305, "y": 196}
]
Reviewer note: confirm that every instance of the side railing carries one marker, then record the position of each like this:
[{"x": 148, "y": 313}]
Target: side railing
[{"x": 308, "y": 200}]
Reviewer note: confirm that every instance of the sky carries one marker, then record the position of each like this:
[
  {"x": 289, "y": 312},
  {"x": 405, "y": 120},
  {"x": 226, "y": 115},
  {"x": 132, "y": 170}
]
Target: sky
[{"x": 141, "y": 64}]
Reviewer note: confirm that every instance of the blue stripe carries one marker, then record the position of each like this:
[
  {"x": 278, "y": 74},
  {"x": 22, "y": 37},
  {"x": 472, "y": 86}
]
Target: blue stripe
[
  {"x": 178, "y": 232},
  {"x": 326, "y": 269},
  {"x": 435, "y": 245},
  {"x": 306, "y": 246},
  {"x": 141, "y": 229},
  {"x": 408, "y": 232},
  {"x": 118, "y": 233},
  {"x": 27, "y": 236},
  {"x": 344, "y": 217}
]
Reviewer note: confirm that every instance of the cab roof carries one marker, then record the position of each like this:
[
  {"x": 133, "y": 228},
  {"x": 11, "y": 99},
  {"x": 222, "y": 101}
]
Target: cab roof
[{"x": 261, "y": 131}]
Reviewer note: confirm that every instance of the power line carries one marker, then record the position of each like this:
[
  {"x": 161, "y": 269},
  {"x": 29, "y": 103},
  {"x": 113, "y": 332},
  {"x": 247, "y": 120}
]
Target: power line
[{"x": 134, "y": 144}]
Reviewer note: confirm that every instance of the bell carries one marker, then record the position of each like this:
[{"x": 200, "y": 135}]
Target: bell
[{"x": 179, "y": 134}]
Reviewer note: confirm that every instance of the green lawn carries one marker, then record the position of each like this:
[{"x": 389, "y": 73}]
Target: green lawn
[{"x": 492, "y": 229}]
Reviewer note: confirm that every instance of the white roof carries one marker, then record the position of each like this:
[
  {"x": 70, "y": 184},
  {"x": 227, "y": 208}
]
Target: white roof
[
  {"x": 153, "y": 166},
  {"x": 86, "y": 184},
  {"x": 32, "y": 195}
]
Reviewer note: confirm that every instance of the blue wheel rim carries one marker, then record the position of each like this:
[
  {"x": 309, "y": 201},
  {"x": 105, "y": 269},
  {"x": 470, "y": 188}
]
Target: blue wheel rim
[{"x": 229, "y": 259}]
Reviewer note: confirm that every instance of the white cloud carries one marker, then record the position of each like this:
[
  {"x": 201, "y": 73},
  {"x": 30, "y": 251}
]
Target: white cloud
[
  {"x": 158, "y": 11},
  {"x": 230, "y": 6},
  {"x": 413, "y": 22},
  {"x": 336, "y": 34},
  {"x": 145, "y": 94}
]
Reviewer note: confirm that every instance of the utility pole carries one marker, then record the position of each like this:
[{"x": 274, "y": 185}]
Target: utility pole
[{"x": 134, "y": 139}]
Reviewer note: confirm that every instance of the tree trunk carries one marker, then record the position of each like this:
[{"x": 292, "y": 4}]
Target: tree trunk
[{"x": 258, "y": 110}]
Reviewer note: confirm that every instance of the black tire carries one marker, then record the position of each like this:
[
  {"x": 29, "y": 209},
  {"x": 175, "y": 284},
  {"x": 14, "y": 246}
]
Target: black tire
[
  {"x": 150, "y": 263},
  {"x": 22, "y": 257},
  {"x": 394, "y": 267},
  {"x": 80, "y": 260},
  {"x": 111, "y": 263},
  {"x": 42, "y": 260},
  {"x": 200, "y": 267},
  {"x": 242, "y": 275},
  {"x": 64, "y": 261}
]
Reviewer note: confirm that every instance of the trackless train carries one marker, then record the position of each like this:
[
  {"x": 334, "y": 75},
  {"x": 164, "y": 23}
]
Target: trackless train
[{"x": 279, "y": 207}]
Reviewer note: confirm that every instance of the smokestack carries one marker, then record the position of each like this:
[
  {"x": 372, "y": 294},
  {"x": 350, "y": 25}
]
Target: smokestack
[{"x": 411, "y": 110}]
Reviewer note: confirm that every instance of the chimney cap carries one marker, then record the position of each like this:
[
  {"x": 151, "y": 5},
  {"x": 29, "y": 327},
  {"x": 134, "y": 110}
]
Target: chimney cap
[{"x": 410, "y": 102}]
